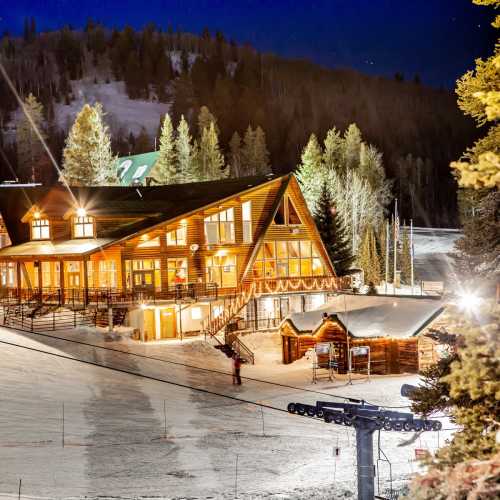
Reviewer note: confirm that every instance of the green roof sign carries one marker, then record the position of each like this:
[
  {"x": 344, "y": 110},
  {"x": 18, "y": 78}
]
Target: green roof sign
[{"x": 134, "y": 169}]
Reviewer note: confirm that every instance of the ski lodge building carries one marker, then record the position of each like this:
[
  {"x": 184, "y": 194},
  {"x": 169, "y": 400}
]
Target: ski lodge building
[{"x": 167, "y": 260}]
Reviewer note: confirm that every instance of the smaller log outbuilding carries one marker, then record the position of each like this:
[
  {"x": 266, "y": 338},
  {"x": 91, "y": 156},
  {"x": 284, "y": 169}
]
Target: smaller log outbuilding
[{"x": 392, "y": 327}]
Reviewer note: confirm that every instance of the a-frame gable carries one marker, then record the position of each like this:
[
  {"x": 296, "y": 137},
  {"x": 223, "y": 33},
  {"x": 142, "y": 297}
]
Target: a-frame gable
[{"x": 290, "y": 188}]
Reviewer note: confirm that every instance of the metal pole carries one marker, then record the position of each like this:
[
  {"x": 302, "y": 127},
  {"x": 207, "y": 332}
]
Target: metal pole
[
  {"x": 411, "y": 255},
  {"x": 364, "y": 454},
  {"x": 347, "y": 339},
  {"x": 386, "y": 254},
  {"x": 396, "y": 230}
]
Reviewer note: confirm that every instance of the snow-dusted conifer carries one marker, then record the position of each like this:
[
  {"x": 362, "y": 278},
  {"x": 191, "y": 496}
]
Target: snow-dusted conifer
[
  {"x": 187, "y": 166},
  {"x": 261, "y": 154},
  {"x": 165, "y": 167},
  {"x": 87, "y": 156},
  {"x": 30, "y": 149},
  {"x": 210, "y": 158},
  {"x": 310, "y": 173},
  {"x": 235, "y": 155}
]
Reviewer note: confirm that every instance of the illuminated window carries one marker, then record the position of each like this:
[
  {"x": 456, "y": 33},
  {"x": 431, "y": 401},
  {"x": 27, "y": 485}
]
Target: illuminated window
[
  {"x": 40, "y": 229},
  {"x": 83, "y": 227},
  {"x": 8, "y": 274},
  {"x": 108, "y": 275},
  {"x": 154, "y": 242},
  {"x": 177, "y": 271},
  {"x": 280, "y": 259},
  {"x": 221, "y": 269},
  {"x": 143, "y": 273},
  {"x": 219, "y": 228},
  {"x": 177, "y": 237},
  {"x": 246, "y": 216}
]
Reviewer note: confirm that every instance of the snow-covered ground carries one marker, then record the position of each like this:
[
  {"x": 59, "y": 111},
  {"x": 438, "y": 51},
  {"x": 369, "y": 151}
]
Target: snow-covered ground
[{"x": 217, "y": 443}]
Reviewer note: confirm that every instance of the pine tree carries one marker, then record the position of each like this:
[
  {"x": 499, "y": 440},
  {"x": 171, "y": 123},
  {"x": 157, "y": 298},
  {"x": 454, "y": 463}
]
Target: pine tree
[
  {"x": 165, "y": 166},
  {"x": 30, "y": 150},
  {"x": 261, "y": 154},
  {"x": 479, "y": 96},
  {"x": 87, "y": 156},
  {"x": 333, "y": 150},
  {"x": 187, "y": 166},
  {"x": 405, "y": 259},
  {"x": 368, "y": 257},
  {"x": 476, "y": 256},
  {"x": 205, "y": 118},
  {"x": 310, "y": 172},
  {"x": 248, "y": 151},
  {"x": 142, "y": 142},
  {"x": 382, "y": 249},
  {"x": 332, "y": 232},
  {"x": 352, "y": 147},
  {"x": 210, "y": 158},
  {"x": 235, "y": 155}
]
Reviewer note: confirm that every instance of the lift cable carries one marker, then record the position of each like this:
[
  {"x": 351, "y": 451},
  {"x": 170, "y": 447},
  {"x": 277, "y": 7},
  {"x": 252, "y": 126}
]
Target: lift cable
[{"x": 210, "y": 370}]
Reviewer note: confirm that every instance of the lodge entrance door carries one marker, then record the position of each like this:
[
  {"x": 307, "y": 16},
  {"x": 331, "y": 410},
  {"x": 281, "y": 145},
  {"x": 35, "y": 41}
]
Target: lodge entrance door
[{"x": 144, "y": 281}]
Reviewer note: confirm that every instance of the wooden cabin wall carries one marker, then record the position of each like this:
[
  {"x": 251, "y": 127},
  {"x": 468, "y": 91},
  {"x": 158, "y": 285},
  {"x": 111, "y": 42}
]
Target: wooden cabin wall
[{"x": 427, "y": 352}]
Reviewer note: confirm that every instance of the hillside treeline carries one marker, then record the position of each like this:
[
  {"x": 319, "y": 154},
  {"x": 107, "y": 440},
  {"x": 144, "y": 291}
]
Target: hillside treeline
[{"x": 418, "y": 129}]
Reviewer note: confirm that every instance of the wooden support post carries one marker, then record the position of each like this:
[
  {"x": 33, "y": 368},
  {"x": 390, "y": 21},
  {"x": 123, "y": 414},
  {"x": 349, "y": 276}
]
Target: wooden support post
[
  {"x": 85, "y": 284},
  {"x": 18, "y": 280},
  {"x": 38, "y": 265},
  {"x": 110, "y": 319},
  {"x": 61, "y": 281},
  {"x": 256, "y": 314}
]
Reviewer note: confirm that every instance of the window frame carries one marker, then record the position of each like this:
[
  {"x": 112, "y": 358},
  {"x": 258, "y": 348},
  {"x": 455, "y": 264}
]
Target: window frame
[
  {"x": 76, "y": 222},
  {"x": 220, "y": 221},
  {"x": 36, "y": 225},
  {"x": 181, "y": 229}
]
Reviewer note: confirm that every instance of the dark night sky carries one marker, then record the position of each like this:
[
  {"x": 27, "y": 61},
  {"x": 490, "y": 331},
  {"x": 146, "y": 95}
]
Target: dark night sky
[{"x": 439, "y": 39}]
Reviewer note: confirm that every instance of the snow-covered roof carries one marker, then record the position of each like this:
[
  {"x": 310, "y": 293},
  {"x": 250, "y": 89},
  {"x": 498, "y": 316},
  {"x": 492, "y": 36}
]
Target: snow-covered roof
[
  {"x": 135, "y": 168},
  {"x": 47, "y": 247},
  {"x": 372, "y": 315}
]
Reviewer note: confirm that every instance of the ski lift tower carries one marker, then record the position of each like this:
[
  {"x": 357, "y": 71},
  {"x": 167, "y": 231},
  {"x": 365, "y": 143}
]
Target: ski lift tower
[{"x": 366, "y": 419}]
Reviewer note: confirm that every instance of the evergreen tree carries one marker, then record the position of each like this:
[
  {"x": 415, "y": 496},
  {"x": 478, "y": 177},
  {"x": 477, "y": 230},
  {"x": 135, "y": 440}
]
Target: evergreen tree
[
  {"x": 332, "y": 232},
  {"x": 247, "y": 152},
  {"x": 405, "y": 258},
  {"x": 352, "y": 147},
  {"x": 210, "y": 158},
  {"x": 479, "y": 96},
  {"x": 333, "y": 150},
  {"x": 368, "y": 257},
  {"x": 476, "y": 256},
  {"x": 261, "y": 154},
  {"x": 187, "y": 167},
  {"x": 235, "y": 165},
  {"x": 382, "y": 249},
  {"x": 87, "y": 156},
  {"x": 205, "y": 119},
  {"x": 466, "y": 383},
  {"x": 30, "y": 150},
  {"x": 165, "y": 166},
  {"x": 310, "y": 172}
]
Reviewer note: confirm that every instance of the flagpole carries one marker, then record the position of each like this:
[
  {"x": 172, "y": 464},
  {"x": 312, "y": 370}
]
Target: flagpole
[
  {"x": 396, "y": 223},
  {"x": 411, "y": 255},
  {"x": 387, "y": 237}
]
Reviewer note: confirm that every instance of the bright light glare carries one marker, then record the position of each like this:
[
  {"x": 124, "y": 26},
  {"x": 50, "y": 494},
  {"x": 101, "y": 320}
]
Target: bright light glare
[
  {"x": 469, "y": 301},
  {"x": 81, "y": 212}
]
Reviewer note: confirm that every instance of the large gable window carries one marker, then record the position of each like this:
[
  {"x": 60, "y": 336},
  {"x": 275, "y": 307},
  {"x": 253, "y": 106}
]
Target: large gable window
[
  {"x": 286, "y": 214},
  {"x": 177, "y": 237},
  {"x": 40, "y": 229},
  {"x": 83, "y": 227},
  {"x": 219, "y": 228},
  {"x": 282, "y": 259}
]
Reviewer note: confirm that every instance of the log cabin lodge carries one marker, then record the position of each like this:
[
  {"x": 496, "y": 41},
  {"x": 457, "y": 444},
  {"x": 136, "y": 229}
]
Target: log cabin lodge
[{"x": 175, "y": 260}]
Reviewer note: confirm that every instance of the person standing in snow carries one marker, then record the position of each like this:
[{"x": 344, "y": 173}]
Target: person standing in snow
[{"x": 236, "y": 369}]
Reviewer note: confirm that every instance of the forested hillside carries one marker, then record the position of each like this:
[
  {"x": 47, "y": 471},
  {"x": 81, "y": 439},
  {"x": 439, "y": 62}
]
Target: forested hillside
[{"x": 418, "y": 129}]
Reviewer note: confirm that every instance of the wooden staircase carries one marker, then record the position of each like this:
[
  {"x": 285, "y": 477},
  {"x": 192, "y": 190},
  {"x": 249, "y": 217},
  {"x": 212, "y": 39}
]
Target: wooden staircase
[{"x": 231, "y": 308}]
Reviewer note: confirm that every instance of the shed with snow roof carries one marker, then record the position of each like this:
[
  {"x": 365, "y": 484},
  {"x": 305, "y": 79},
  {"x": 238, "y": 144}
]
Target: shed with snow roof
[{"x": 391, "y": 326}]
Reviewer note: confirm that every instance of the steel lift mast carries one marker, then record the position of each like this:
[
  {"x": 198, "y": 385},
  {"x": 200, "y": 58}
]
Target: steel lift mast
[{"x": 366, "y": 419}]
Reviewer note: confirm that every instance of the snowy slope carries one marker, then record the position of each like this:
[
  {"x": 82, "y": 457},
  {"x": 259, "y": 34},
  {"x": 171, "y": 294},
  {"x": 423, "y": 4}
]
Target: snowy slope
[
  {"x": 120, "y": 110},
  {"x": 218, "y": 448}
]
